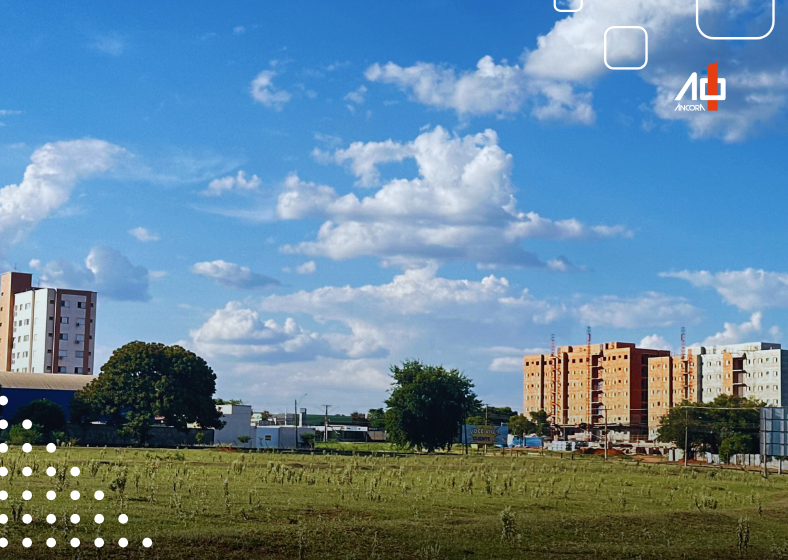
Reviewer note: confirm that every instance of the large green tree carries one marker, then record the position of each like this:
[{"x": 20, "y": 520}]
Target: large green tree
[
  {"x": 144, "y": 380},
  {"x": 520, "y": 424},
  {"x": 728, "y": 423},
  {"x": 427, "y": 405}
]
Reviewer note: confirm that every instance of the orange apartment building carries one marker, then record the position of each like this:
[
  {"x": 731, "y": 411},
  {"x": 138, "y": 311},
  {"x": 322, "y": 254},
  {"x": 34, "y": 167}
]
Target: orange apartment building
[
  {"x": 584, "y": 384},
  {"x": 671, "y": 381}
]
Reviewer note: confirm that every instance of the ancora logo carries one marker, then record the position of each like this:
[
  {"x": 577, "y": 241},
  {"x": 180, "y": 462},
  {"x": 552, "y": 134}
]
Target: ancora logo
[{"x": 709, "y": 90}]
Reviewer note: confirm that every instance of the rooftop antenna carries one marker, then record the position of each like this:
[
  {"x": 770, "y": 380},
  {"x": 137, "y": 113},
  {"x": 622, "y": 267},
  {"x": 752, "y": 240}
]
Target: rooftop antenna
[
  {"x": 590, "y": 379},
  {"x": 683, "y": 342}
]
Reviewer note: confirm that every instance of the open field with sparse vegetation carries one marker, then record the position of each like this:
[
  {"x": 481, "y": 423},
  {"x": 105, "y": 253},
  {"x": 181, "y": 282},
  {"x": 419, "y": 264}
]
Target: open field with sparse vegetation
[{"x": 205, "y": 504}]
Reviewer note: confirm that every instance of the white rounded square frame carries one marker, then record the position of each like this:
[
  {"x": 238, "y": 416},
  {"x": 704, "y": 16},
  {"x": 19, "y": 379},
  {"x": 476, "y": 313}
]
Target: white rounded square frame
[
  {"x": 645, "y": 33},
  {"x": 697, "y": 24},
  {"x": 557, "y": 9}
]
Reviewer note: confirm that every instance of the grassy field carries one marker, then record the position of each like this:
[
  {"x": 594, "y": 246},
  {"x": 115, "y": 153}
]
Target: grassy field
[{"x": 200, "y": 504}]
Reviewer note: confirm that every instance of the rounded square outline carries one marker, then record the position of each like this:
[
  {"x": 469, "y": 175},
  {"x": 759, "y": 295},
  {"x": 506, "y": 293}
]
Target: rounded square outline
[
  {"x": 703, "y": 86},
  {"x": 697, "y": 24},
  {"x": 625, "y": 67},
  {"x": 557, "y": 9}
]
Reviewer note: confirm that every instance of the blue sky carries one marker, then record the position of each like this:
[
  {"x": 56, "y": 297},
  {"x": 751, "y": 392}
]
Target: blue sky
[{"x": 305, "y": 193}]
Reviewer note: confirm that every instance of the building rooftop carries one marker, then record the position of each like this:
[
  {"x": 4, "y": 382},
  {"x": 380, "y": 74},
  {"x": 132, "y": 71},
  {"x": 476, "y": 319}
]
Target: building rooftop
[
  {"x": 55, "y": 381},
  {"x": 735, "y": 348}
]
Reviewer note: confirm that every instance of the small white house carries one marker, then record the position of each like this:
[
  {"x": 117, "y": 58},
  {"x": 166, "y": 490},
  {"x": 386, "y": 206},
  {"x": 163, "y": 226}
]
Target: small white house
[
  {"x": 280, "y": 437},
  {"x": 238, "y": 422}
]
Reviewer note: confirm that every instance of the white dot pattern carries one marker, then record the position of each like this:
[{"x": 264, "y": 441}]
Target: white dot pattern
[{"x": 52, "y": 495}]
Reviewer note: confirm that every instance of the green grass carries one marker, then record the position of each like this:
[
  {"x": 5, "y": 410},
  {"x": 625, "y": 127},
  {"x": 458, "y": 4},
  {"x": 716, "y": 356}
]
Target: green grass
[{"x": 200, "y": 504}]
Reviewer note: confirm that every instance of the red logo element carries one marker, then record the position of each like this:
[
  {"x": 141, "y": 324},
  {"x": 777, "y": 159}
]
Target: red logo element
[{"x": 713, "y": 85}]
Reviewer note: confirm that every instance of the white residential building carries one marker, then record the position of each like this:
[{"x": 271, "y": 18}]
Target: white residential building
[
  {"x": 45, "y": 330},
  {"x": 756, "y": 370}
]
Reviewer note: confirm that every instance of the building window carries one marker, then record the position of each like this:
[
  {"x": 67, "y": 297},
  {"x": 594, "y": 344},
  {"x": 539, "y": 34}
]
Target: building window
[
  {"x": 80, "y": 338},
  {"x": 62, "y": 369},
  {"x": 62, "y": 353},
  {"x": 27, "y": 306},
  {"x": 79, "y": 354},
  {"x": 64, "y": 320},
  {"x": 65, "y": 303},
  {"x": 77, "y": 370},
  {"x": 63, "y": 336},
  {"x": 81, "y": 305}
]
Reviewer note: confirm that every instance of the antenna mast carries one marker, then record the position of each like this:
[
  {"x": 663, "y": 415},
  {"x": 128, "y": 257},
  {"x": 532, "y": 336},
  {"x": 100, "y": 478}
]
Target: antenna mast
[{"x": 590, "y": 376}]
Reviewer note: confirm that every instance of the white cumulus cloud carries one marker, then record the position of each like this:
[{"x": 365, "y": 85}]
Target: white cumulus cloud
[
  {"x": 460, "y": 207},
  {"x": 650, "y": 309},
  {"x": 265, "y": 93},
  {"x": 749, "y": 289},
  {"x": 655, "y": 342},
  {"x": 557, "y": 77},
  {"x": 308, "y": 267},
  {"x": 106, "y": 271},
  {"x": 238, "y": 182},
  {"x": 54, "y": 170},
  {"x": 231, "y": 275},
  {"x": 733, "y": 333},
  {"x": 143, "y": 234}
]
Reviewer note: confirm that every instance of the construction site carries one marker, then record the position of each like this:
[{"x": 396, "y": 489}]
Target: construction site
[{"x": 595, "y": 392}]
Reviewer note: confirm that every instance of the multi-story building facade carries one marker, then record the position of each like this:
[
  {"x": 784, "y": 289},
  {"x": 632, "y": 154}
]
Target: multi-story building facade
[
  {"x": 754, "y": 370},
  {"x": 45, "y": 330},
  {"x": 671, "y": 380},
  {"x": 590, "y": 384}
]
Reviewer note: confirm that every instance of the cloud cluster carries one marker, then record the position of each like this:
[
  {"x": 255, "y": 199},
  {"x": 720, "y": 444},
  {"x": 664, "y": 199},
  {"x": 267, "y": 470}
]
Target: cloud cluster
[
  {"x": 231, "y": 275},
  {"x": 651, "y": 309},
  {"x": 460, "y": 207},
  {"x": 490, "y": 88},
  {"x": 557, "y": 77},
  {"x": 54, "y": 170},
  {"x": 734, "y": 333},
  {"x": 747, "y": 289},
  {"x": 106, "y": 271},
  {"x": 241, "y": 332},
  {"x": 143, "y": 234},
  {"x": 230, "y": 183},
  {"x": 264, "y": 92}
]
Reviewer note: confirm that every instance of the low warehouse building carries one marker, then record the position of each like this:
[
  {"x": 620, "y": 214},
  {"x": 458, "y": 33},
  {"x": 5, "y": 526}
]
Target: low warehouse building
[{"x": 22, "y": 388}]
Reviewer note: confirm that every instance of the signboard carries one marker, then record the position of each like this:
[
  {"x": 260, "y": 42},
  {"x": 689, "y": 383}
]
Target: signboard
[
  {"x": 774, "y": 431},
  {"x": 480, "y": 435}
]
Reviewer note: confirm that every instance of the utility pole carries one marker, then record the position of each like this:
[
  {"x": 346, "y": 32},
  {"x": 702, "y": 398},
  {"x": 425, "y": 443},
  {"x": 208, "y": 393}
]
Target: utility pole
[
  {"x": 686, "y": 435},
  {"x": 325, "y": 424},
  {"x": 296, "y": 420}
]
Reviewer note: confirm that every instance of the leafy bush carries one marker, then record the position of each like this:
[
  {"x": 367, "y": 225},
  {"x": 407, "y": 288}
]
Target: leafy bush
[
  {"x": 45, "y": 413},
  {"x": 17, "y": 435}
]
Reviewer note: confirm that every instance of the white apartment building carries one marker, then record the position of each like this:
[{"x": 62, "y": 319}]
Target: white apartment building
[
  {"x": 756, "y": 370},
  {"x": 48, "y": 330}
]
